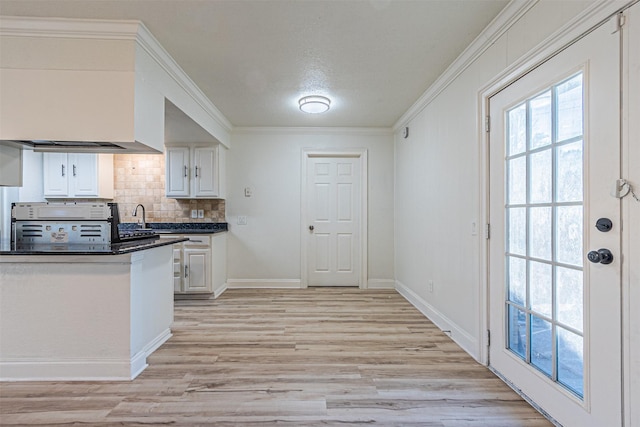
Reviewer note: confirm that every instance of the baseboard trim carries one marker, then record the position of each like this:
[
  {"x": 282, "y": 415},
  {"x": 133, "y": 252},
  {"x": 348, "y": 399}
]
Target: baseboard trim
[
  {"x": 81, "y": 369},
  {"x": 457, "y": 334},
  {"x": 65, "y": 370},
  {"x": 220, "y": 290},
  {"x": 264, "y": 283},
  {"x": 381, "y": 284}
]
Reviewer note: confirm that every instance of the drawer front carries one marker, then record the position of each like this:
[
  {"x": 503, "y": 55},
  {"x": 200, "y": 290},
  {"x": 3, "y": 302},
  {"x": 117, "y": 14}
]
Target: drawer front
[{"x": 197, "y": 240}]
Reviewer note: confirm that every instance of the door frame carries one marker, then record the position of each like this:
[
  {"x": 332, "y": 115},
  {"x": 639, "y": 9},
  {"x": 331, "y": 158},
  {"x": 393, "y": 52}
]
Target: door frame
[
  {"x": 358, "y": 153},
  {"x": 574, "y": 30}
]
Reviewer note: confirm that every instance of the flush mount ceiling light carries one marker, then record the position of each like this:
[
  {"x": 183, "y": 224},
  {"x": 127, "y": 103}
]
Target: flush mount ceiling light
[{"x": 314, "y": 104}]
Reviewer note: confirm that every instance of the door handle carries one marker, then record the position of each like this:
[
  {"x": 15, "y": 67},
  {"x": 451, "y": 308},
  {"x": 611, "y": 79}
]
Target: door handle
[
  {"x": 62, "y": 170},
  {"x": 601, "y": 256},
  {"x": 186, "y": 271},
  {"x": 185, "y": 172},
  {"x": 74, "y": 170},
  {"x": 311, "y": 227}
]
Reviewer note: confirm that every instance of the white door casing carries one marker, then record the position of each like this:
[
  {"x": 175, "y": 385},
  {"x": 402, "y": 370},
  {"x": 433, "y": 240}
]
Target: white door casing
[
  {"x": 334, "y": 218},
  {"x": 597, "y": 57}
]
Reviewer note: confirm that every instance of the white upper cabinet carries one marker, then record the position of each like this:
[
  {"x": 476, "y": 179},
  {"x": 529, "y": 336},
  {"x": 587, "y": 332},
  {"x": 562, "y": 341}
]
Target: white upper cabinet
[
  {"x": 193, "y": 172},
  {"x": 74, "y": 175}
]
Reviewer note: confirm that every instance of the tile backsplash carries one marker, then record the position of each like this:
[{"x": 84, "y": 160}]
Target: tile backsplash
[{"x": 139, "y": 178}]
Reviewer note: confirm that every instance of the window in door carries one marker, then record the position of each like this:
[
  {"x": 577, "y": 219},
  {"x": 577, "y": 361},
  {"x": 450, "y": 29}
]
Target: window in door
[{"x": 544, "y": 229}]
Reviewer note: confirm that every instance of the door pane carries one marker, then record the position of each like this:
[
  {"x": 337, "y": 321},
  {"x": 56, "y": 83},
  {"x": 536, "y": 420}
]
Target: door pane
[
  {"x": 517, "y": 181},
  {"x": 541, "y": 344},
  {"x": 517, "y": 130},
  {"x": 540, "y": 233},
  {"x": 541, "y": 120},
  {"x": 569, "y": 106},
  {"x": 569, "y": 297},
  {"x": 570, "y": 361},
  {"x": 541, "y": 177},
  {"x": 540, "y": 283},
  {"x": 517, "y": 231},
  {"x": 569, "y": 172},
  {"x": 517, "y": 331},
  {"x": 517, "y": 280},
  {"x": 569, "y": 235}
]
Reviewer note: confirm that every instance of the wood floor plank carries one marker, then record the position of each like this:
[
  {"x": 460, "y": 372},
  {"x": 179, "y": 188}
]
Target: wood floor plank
[{"x": 312, "y": 357}]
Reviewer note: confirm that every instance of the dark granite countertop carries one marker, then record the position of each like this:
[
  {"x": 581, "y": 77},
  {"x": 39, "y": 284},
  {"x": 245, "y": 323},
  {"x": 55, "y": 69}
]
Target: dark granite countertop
[
  {"x": 6, "y": 248},
  {"x": 179, "y": 227}
]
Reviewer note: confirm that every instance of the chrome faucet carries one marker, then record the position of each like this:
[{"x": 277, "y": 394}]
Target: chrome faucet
[{"x": 144, "y": 219}]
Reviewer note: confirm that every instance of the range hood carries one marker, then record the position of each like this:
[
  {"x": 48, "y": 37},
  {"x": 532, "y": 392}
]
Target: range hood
[
  {"x": 78, "y": 94},
  {"x": 92, "y": 86},
  {"x": 76, "y": 146}
]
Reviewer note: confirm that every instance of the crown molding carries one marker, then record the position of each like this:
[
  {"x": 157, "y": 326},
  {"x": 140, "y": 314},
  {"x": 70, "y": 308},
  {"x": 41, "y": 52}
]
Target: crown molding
[
  {"x": 134, "y": 30},
  {"x": 20, "y": 26},
  {"x": 591, "y": 16},
  {"x": 266, "y": 130},
  {"x": 500, "y": 24},
  {"x": 151, "y": 45}
]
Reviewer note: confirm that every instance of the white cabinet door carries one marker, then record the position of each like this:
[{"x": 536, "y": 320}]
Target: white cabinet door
[
  {"x": 55, "y": 171},
  {"x": 205, "y": 172},
  {"x": 78, "y": 175},
  {"x": 177, "y": 172},
  {"x": 83, "y": 181},
  {"x": 197, "y": 276}
]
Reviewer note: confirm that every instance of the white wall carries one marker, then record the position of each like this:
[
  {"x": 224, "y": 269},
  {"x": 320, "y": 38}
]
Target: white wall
[
  {"x": 267, "y": 249},
  {"x": 31, "y": 191},
  {"x": 438, "y": 183}
]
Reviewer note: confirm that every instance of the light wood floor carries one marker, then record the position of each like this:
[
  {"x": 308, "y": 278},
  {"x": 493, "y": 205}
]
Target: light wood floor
[{"x": 313, "y": 357}]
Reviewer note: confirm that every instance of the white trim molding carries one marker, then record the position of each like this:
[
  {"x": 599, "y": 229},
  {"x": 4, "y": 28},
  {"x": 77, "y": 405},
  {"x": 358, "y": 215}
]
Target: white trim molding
[
  {"x": 362, "y": 154},
  {"x": 381, "y": 284},
  {"x": 455, "y": 332},
  {"x": 263, "y": 284}
]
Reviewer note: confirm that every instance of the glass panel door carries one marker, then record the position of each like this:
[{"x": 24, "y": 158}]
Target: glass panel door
[{"x": 554, "y": 154}]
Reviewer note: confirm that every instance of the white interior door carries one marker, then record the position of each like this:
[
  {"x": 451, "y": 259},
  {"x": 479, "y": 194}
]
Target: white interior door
[
  {"x": 554, "y": 157},
  {"x": 333, "y": 226}
]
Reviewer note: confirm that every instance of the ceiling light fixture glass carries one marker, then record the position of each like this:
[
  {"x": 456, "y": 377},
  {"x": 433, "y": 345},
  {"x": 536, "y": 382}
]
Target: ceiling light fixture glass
[{"x": 314, "y": 104}]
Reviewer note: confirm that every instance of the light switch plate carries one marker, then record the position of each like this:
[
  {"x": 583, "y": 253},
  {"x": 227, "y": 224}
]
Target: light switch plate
[
  {"x": 194, "y": 213},
  {"x": 200, "y": 213}
]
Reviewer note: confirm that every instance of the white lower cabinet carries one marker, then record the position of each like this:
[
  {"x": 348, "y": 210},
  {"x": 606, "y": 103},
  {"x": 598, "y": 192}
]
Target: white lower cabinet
[
  {"x": 197, "y": 270},
  {"x": 199, "y": 264}
]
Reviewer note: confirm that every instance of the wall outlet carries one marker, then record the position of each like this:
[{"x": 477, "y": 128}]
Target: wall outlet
[
  {"x": 200, "y": 213},
  {"x": 430, "y": 286},
  {"x": 194, "y": 213},
  {"x": 242, "y": 220}
]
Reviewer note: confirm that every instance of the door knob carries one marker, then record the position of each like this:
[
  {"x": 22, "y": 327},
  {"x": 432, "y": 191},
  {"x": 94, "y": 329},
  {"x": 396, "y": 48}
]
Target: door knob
[
  {"x": 602, "y": 256},
  {"x": 311, "y": 227}
]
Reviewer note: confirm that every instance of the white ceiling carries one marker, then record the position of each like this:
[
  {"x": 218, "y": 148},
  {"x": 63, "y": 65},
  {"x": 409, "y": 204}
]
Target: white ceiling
[{"x": 255, "y": 58}]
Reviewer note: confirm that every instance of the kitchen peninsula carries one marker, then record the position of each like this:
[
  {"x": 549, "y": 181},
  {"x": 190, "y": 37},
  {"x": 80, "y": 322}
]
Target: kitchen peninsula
[{"x": 83, "y": 312}]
